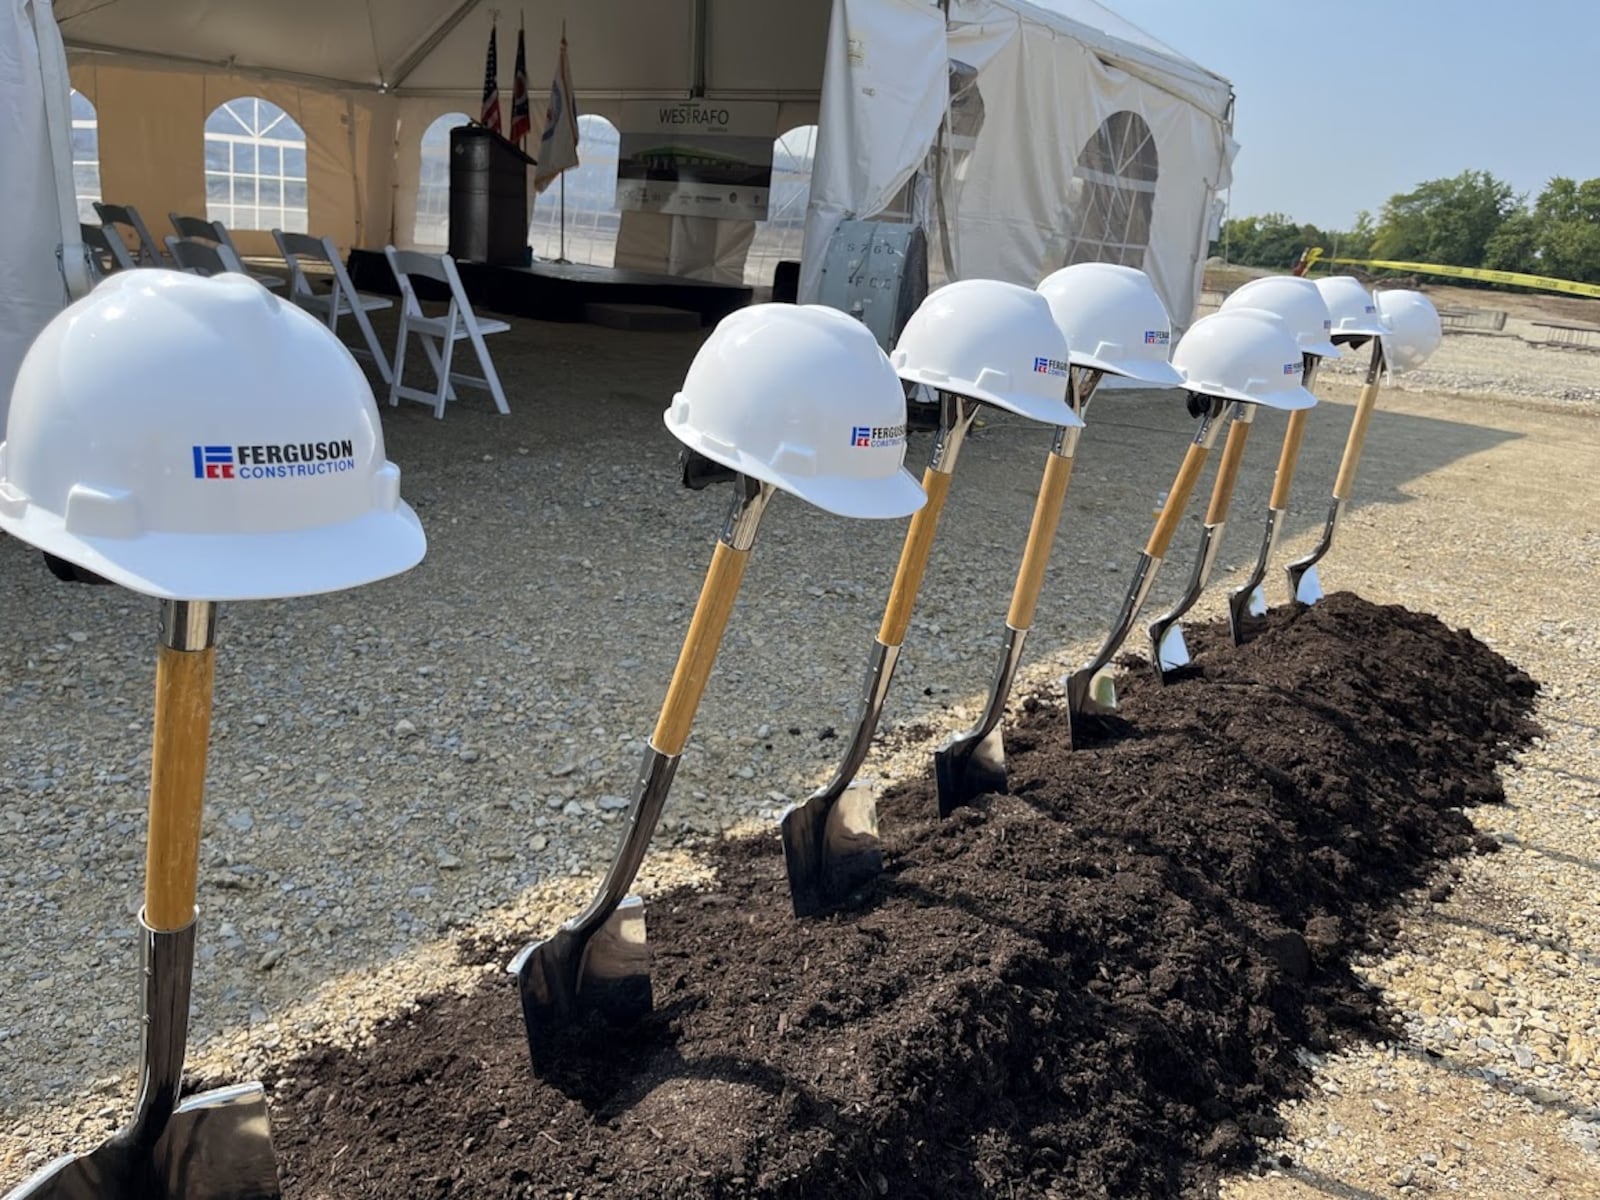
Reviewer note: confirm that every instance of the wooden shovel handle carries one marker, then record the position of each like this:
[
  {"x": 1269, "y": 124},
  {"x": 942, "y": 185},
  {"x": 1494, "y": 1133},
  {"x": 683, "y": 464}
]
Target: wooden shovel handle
[
  {"x": 1228, "y": 471},
  {"x": 1041, "y": 539},
  {"x": 1177, "y": 499},
  {"x": 914, "y": 559},
  {"x": 1288, "y": 457},
  {"x": 699, "y": 648},
  {"x": 177, "y": 785},
  {"x": 1353, "y": 444}
]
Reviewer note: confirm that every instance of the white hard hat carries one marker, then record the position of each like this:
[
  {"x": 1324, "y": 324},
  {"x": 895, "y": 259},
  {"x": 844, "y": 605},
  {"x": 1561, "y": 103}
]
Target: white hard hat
[
  {"x": 202, "y": 439},
  {"x": 1298, "y": 301},
  {"x": 1412, "y": 328},
  {"x": 1354, "y": 312},
  {"x": 992, "y": 341},
  {"x": 1113, "y": 320},
  {"x": 801, "y": 397},
  {"x": 1244, "y": 354}
]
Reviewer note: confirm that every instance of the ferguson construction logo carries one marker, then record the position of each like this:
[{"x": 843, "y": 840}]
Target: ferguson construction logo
[
  {"x": 1051, "y": 366},
  {"x": 1157, "y": 337},
  {"x": 285, "y": 460},
  {"x": 877, "y": 435},
  {"x": 1292, "y": 368}
]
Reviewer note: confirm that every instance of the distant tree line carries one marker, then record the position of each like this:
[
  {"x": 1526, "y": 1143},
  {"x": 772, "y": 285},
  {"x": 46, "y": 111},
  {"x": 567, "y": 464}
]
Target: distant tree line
[{"x": 1472, "y": 220}]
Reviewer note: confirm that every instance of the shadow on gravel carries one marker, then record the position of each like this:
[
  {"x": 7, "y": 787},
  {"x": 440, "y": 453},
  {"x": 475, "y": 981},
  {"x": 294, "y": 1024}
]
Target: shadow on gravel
[{"x": 1100, "y": 984}]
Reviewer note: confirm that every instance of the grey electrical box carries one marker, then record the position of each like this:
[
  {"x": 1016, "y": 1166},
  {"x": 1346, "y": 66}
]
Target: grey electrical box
[{"x": 877, "y": 271}]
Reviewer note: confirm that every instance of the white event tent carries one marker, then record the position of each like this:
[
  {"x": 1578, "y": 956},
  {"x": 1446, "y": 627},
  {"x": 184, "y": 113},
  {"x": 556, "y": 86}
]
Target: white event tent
[{"x": 1024, "y": 134}]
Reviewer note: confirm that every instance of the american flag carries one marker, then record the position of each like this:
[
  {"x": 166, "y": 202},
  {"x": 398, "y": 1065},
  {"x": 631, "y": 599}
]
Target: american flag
[
  {"x": 491, "y": 88},
  {"x": 521, "y": 122}
]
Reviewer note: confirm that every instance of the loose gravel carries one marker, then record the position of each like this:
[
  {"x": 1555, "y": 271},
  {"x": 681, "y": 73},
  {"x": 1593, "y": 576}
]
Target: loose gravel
[{"x": 445, "y": 751}]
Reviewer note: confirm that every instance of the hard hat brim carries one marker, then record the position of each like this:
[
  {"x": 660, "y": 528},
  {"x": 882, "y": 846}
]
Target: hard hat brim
[
  {"x": 1046, "y": 412},
  {"x": 1363, "y": 330},
  {"x": 898, "y": 495},
  {"x": 230, "y": 566},
  {"x": 1288, "y": 400},
  {"x": 1156, "y": 374},
  {"x": 1324, "y": 348}
]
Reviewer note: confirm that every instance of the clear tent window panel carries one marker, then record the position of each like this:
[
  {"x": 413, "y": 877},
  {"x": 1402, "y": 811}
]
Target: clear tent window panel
[
  {"x": 431, "y": 227},
  {"x": 592, "y": 216},
  {"x": 85, "y": 156},
  {"x": 255, "y": 155},
  {"x": 780, "y": 236},
  {"x": 1113, "y": 193}
]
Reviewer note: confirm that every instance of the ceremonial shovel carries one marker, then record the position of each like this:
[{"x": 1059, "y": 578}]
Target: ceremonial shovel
[
  {"x": 216, "y": 1145},
  {"x": 973, "y": 763},
  {"x": 830, "y": 840},
  {"x": 1304, "y": 584},
  {"x": 599, "y": 962},
  {"x": 1080, "y": 685}
]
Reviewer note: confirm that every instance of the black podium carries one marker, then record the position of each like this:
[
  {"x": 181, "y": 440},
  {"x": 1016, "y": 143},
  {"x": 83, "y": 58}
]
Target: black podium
[{"x": 488, "y": 198}]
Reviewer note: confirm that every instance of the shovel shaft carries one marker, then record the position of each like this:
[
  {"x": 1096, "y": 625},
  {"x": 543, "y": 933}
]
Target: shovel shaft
[
  {"x": 177, "y": 784},
  {"x": 1232, "y": 461},
  {"x": 699, "y": 651},
  {"x": 1194, "y": 462},
  {"x": 1041, "y": 539},
  {"x": 1288, "y": 457},
  {"x": 914, "y": 559},
  {"x": 1353, "y": 444}
]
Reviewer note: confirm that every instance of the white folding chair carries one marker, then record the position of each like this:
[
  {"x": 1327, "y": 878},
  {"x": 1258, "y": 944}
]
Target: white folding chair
[
  {"x": 458, "y": 322},
  {"x": 203, "y": 258},
  {"x": 341, "y": 299},
  {"x": 199, "y": 229},
  {"x": 106, "y": 252},
  {"x": 115, "y": 217}
]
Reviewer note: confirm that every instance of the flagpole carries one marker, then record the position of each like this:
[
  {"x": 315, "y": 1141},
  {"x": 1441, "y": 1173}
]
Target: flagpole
[
  {"x": 562, "y": 258},
  {"x": 563, "y": 255}
]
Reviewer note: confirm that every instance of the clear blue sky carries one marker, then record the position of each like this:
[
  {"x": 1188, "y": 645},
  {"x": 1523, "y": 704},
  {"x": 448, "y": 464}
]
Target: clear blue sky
[{"x": 1342, "y": 103}]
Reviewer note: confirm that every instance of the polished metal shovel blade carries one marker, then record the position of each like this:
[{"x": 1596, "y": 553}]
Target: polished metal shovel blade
[
  {"x": 1307, "y": 586},
  {"x": 216, "y": 1146},
  {"x": 831, "y": 847},
  {"x": 607, "y": 972},
  {"x": 1172, "y": 651},
  {"x": 969, "y": 768}
]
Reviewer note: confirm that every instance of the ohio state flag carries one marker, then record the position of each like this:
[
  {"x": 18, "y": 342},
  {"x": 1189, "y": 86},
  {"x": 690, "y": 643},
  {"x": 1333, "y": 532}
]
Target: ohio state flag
[{"x": 521, "y": 123}]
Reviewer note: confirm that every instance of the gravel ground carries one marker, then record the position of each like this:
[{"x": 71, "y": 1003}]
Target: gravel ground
[{"x": 449, "y": 749}]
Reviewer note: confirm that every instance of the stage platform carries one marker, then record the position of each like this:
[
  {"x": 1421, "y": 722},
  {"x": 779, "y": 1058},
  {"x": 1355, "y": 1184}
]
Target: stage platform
[{"x": 549, "y": 291}]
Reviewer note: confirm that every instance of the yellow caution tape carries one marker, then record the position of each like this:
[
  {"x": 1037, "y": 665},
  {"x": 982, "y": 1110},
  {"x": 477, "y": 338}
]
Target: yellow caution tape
[{"x": 1515, "y": 278}]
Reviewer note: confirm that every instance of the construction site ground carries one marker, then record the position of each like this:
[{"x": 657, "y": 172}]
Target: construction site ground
[{"x": 439, "y": 760}]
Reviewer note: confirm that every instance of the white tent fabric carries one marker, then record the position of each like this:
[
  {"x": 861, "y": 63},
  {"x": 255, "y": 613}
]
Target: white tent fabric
[
  {"x": 36, "y": 193},
  {"x": 364, "y": 79},
  {"x": 1050, "y": 74}
]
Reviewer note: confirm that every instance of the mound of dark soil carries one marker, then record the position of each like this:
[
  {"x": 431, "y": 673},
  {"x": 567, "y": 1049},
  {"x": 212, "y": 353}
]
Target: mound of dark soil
[{"x": 1093, "y": 986}]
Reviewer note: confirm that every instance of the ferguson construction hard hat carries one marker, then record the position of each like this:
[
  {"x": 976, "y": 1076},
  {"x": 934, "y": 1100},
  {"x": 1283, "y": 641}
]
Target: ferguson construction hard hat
[
  {"x": 801, "y": 397},
  {"x": 1300, "y": 305},
  {"x": 201, "y": 439},
  {"x": 991, "y": 341},
  {"x": 1412, "y": 329},
  {"x": 1243, "y": 354},
  {"x": 1113, "y": 320},
  {"x": 1354, "y": 312}
]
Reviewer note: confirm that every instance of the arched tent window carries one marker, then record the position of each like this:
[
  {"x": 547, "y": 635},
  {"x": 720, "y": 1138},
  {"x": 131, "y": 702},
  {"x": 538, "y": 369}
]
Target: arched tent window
[
  {"x": 1113, "y": 193},
  {"x": 432, "y": 225},
  {"x": 592, "y": 214},
  {"x": 255, "y": 167},
  {"x": 85, "y": 156},
  {"x": 780, "y": 235}
]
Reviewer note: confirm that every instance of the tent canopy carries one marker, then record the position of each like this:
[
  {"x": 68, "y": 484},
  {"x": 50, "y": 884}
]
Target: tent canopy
[
  {"x": 635, "y": 48},
  {"x": 1083, "y": 136}
]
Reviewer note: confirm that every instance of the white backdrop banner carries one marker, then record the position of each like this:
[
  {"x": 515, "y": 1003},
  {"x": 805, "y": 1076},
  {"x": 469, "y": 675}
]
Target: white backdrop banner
[{"x": 697, "y": 158}]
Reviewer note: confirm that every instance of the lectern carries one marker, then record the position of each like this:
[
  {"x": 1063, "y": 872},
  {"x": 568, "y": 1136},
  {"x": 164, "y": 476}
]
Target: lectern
[{"x": 488, "y": 197}]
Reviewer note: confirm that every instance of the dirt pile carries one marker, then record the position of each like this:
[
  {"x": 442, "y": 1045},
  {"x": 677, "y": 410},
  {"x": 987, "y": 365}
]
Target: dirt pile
[{"x": 1095, "y": 985}]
